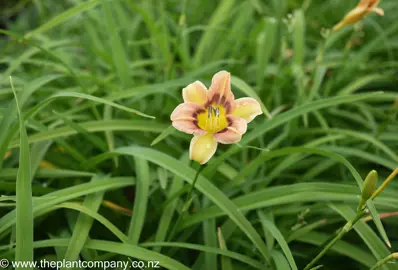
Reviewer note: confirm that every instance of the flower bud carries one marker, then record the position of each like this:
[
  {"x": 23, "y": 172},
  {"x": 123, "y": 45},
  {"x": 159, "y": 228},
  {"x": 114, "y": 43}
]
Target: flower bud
[
  {"x": 385, "y": 183},
  {"x": 361, "y": 10},
  {"x": 369, "y": 187}
]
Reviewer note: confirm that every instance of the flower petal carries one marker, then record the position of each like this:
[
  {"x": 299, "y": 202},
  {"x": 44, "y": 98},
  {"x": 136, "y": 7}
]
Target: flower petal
[
  {"x": 186, "y": 110},
  {"x": 202, "y": 148},
  {"x": 379, "y": 11},
  {"x": 220, "y": 89},
  {"x": 195, "y": 92},
  {"x": 352, "y": 17},
  {"x": 188, "y": 126},
  {"x": 185, "y": 120},
  {"x": 233, "y": 133},
  {"x": 247, "y": 108},
  {"x": 368, "y": 3}
]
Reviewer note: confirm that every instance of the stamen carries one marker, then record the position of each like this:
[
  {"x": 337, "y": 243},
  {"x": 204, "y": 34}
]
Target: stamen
[
  {"x": 210, "y": 112},
  {"x": 217, "y": 112},
  {"x": 215, "y": 119}
]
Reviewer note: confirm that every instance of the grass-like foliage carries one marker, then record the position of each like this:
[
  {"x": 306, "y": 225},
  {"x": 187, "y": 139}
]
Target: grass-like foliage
[{"x": 91, "y": 168}]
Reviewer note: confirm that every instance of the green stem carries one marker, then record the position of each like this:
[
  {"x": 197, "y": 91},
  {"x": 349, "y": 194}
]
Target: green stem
[
  {"x": 186, "y": 205},
  {"x": 385, "y": 183},
  {"x": 385, "y": 260},
  {"x": 319, "y": 58},
  {"x": 347, "y": 227}
]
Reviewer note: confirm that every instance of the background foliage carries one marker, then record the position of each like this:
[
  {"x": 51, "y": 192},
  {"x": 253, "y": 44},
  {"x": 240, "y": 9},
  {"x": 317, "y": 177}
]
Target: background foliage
[{"x": 100, "y": 179}]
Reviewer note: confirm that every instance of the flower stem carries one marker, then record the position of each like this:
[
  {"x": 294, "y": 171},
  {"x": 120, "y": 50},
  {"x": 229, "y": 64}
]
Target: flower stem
[
  {"x": 347, "y": 227},
  {"x": 385, "y": 183},
  {"x": 186, "y": 205},
  {"x": 385, "y": 260}
]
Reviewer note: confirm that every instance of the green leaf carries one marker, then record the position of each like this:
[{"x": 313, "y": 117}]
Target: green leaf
[
  {"x": 37, "y": 154},
  {"x": 280, "y": 261},
  {"x": 203, "y": 185},
  {"x": 305, "y": 230},
  {"x": 291, "y": 150},
  {"x": 245, "y": 88},
  {"x": 167, "y": 213},
  {"x": 265, "y": 46},
  {"x": 210, "y": 36},
  {"x": 284, "y": 118},
  {"x": 63, "y": 17},
  {"x": 84, "y": 96},
  {"x": 83, "y": 224},
  {"x": 137, "y": 253},
  {"x": 110, "y": 138},
  {"x": 29, "y": 89},
  {"x": 361, "y": 82},
  {"x": 11, "y": 174},
  {"x": 66, "y": 194},
  {"x": 350, "y": 250},
  {"x": 319, "y": 75},
  {"x": 89, "y": 215},
  {"x": 233, "y": 255},
  {"x": 378, "y": 249},
  {"x": 209, "y": 239},
  {"x": 24, "y": 212},
  {"x": 119, "y": 56},
  {"x": 226, "y": 263},
  {"x": 140, "y": 201},
  {"x": 129, "y": 250},
  {"x": 279, "y": 238},
  {"x": 125, "y": 248},
  {"x": 294, "y": 193},
  {"x": 167, "y": 132},
  {"x": 95, "y": 140},
  {"x": 355, "y": 152},
  {"x": 359, "y": 136},
  {"x": 299, "y": 34},
  {"x": 96, "y": 126}
]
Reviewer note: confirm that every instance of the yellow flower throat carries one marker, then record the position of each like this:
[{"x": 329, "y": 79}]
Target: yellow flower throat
[{"x": 213, "y": 119}]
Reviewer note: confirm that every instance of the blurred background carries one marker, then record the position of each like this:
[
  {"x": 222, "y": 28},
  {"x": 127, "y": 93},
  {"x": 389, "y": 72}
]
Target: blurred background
[{"x": 325, "y": 126}]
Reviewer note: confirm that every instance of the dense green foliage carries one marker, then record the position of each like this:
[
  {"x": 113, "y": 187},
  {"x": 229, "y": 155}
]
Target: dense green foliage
[{"x": 93, "y": 170}]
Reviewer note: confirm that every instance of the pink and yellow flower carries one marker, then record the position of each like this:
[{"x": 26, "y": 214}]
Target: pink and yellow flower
[
  {"x": 213, "y": 116},
  {"x": 361, "y": 10}
]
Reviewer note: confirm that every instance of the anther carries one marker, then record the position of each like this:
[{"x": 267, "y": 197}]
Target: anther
[
  {"x": 210, "y": 112},
  {"x": 217, "y": 112}
]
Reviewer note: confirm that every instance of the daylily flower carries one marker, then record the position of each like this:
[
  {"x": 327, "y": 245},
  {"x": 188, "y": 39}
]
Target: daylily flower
[
  {"x": 213, "y": 116},
  {"x": 361, "y": 10}
]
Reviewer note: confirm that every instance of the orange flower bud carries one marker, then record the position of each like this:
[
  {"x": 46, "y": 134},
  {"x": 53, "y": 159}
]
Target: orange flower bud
[{"x": 361, "y": 10}]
